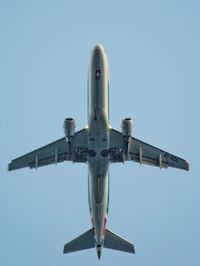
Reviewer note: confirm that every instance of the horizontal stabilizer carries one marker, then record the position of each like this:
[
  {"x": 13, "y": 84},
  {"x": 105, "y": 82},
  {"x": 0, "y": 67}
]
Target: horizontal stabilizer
[
  {"x": 84, "y": 241},
  {"x": 114, "y": 241}
]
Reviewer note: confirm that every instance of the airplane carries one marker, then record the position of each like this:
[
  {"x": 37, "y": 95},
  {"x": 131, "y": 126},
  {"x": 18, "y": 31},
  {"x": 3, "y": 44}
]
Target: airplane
[{"x": 98, "y": 145}]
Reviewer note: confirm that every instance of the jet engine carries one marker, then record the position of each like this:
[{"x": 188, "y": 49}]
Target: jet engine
[
  {"x": 126, "y": 126},
  {"x": 69, "y": 127}
]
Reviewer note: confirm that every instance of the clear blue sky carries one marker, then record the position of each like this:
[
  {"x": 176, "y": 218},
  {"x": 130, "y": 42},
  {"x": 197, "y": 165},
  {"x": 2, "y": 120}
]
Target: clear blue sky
[{"x": 153, "y": 49}]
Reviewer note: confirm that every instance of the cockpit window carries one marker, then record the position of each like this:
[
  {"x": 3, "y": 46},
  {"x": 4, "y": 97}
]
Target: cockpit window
[{"x": 98, "y": 73}]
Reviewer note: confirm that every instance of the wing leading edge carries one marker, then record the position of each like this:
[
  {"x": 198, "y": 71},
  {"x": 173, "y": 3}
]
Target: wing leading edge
[{"x": 141, "y": 152}]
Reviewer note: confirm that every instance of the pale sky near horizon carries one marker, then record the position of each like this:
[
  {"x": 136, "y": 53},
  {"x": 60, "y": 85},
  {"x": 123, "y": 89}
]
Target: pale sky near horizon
[{"x": 153, "y": 50}]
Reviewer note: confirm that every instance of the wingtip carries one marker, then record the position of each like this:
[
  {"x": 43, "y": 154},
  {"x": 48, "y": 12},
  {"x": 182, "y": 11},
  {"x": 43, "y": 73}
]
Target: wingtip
[
  {"x": 133, "y": 250},
  {"x": 9, "y": 167},
  {"x": 187, "y": 164}
]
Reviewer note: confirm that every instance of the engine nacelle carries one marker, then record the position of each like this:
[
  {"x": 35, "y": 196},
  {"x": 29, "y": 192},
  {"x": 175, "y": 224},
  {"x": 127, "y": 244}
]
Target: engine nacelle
[
  {"x": 69, "y": 127},
  {"x": 126, "y": 126}
]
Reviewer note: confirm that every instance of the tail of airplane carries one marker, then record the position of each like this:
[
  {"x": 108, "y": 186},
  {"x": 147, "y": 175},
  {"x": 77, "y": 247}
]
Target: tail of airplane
[{"x": 87, "y": 241}]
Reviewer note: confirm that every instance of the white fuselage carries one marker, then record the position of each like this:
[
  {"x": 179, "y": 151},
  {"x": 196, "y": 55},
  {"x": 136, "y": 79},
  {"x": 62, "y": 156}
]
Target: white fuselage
[{"x": 98, "y": 142}]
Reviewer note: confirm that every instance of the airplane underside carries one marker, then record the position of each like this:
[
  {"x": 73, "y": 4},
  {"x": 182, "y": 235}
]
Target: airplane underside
[{"x": 98, "y": 145}]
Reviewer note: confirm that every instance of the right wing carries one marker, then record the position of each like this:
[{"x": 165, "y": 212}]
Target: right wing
[
  {"x": 141, "y": 152},
  {"x": 54, "y": 153}
]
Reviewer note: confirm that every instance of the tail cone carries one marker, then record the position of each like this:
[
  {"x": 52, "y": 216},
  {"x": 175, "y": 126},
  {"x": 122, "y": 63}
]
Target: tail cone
[
  {"x": 99, "y": 254},
  {"x": 98, "y": 251}
]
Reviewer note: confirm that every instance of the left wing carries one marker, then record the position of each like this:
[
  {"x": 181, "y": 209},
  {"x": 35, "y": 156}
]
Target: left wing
[
  {"x": 54, "y": 153},
  {"x": 139, "y": 151}
]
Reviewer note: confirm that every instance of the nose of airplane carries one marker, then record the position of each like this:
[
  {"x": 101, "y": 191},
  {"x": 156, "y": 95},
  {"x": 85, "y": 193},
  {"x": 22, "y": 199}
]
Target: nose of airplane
[
  {"x": 98, "y": 59},
  {"x": 98, "y": 47},
  {"x": 98, "y": 50}
]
